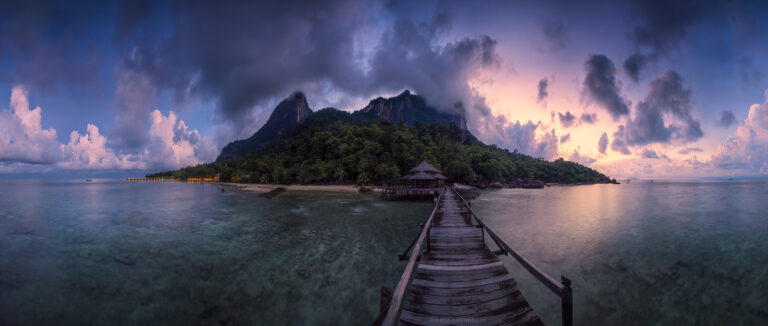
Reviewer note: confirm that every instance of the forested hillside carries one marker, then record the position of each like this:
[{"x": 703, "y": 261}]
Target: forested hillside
[{"x": 334, "y": 146}]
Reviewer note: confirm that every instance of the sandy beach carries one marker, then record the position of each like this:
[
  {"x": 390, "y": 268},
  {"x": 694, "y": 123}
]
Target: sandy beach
[{"x": 263, "y": 188}]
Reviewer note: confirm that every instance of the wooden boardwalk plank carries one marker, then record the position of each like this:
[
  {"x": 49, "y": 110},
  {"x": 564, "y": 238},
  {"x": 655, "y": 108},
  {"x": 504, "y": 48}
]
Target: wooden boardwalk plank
[
  {"x": 460, "y": 281},
  {"x": 463, "y": 284},
  {"x": 461, "y": 300}
]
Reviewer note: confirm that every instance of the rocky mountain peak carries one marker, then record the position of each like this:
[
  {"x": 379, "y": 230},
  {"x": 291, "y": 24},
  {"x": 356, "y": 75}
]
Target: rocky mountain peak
[
  {"x": 411, "y": 108},
  {"x": 291, "y": 112}
]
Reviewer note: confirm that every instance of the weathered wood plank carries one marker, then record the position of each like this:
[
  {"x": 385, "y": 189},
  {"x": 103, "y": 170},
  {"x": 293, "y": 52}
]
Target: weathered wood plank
[
  {"x": 463, "y": 274},
  {"x": 460, "y": 300},
  {"x": 496, "y": 317},
  {"x": 458, "y": 277},
  {"x": 457, "y": 255},
  {"x": 463, "y": 262},
  {"x": 467, "y": 309},
  {"x": 459, "y": 268},
  {"x": 459, "y": 280},
  {"x": 463, "y": 284},
  {"x": 417, "y": 289}
]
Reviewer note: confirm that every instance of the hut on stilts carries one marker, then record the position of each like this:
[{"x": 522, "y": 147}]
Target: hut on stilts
[{"x": 422, "y": 182}]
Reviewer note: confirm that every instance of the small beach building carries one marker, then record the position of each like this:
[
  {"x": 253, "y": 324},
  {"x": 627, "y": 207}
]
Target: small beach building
[
  {"x": 421, "y": 182},
  {"x": 424, "y": 175}
]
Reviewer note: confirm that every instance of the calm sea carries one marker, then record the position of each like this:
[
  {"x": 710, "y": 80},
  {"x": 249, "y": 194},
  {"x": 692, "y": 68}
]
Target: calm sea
[{"x": 114, "y": 252}]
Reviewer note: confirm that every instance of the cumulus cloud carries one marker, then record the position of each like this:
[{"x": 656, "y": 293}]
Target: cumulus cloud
[
  {"x": 581, "y": 158},
  {"x": 602, "y": 144},
  {"x": 651, "y": 154},
  {"x": 543, "y": 93},
  {"x": 747, "y": 150},
  {"x": 727, "y": 118},
  {"x": 22, "y": 137},
  {"x": 588, "y": 118},
  {"x": 173, "y": 144},
  {"x": 601, "y": 85},
  {"x": 170, "y": 144},
  {"x": 666, "y": 97},
  {"x": 618, "y": 144},
  {"x": 554, "y": 33},
  {"x": 529, "y": 138},
  {"x": 567, "y": 119},
  {"x": 565, "y": 138},
  {"x": 89, "y": 151},
  {"x": 686, "y": 150}
]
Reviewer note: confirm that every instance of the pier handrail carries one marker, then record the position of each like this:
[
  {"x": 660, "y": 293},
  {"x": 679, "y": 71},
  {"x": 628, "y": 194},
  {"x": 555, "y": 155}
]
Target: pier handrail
[
  {"x": 393, "y": 312},
  {"x": 561, "y": 289}
]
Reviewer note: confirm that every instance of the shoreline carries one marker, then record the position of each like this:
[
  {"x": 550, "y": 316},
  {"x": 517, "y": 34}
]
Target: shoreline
[{"x": 265, "y": 188}]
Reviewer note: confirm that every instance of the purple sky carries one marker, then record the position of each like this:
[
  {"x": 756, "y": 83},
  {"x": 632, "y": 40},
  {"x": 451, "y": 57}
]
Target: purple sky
[{"x": 651, "y": 89}]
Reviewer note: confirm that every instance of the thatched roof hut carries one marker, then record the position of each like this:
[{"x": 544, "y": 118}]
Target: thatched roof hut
[{"x": 425, "y": 175}]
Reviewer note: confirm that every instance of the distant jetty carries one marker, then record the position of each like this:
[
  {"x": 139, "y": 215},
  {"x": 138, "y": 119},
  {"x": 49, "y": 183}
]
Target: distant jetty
[{"x": 150, "y": 179}]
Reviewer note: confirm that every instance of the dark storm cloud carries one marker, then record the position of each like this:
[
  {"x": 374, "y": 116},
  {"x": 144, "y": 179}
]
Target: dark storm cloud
[
  {"x": 240, "y": 54},
  {"x": 602, "y": 145},
  {"x": 554, "y": 32},
  {"x": 666, "y": 95},
  {"x": 588, "y": 118},
  {"x": 134, "y": 96},
  {"x": 132, "y": 16},
  {"x": 408, "y": 56},
  {"x": 662, "y": 25},
  {"x": 727, "y": 118},
  {"x": 245, "y": 54},
  {"x": 567, "y": 119},
  {"x": 600, "y": 85},
  {"x": 47, "y": 44},
  {"x": 542, "y": 87},
  {"x": 668, "y": 99},
  {"x": 634, "y": 64}
]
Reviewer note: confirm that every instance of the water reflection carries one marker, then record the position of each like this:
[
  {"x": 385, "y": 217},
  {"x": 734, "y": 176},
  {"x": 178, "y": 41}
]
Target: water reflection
[{"x": 642, "y": 253}]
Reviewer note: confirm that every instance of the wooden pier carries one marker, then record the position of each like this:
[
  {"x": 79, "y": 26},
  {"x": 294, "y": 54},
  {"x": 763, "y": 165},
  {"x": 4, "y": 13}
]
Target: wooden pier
[
  {"x": 408, "y": 193},
  {"x": 458, "y": 280},
  {"x": 149, "y": 179}
]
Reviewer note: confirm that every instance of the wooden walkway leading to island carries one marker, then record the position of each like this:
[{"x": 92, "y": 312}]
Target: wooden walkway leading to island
[{"x": 458, "y": 280}]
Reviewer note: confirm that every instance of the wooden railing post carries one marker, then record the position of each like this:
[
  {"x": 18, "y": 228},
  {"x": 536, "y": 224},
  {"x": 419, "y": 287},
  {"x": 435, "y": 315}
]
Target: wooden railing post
[
  {"x": 567, "y": 297},
  {"x": 429, "y": 231}
]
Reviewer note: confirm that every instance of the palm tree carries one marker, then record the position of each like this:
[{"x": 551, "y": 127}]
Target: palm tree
[{"x": 340, "y": 175}]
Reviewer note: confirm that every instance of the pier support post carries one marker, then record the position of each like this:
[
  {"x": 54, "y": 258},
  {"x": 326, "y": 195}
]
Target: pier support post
[
  {"x": 386, "y": 298},
  {"x": 567, "y": 297}
]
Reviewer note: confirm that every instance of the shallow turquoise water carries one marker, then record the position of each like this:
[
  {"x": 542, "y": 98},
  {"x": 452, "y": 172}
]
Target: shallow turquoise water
[
  {"x": 662, "y": 253},
  {"x": 114, "y": 252}
]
